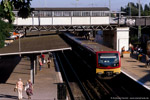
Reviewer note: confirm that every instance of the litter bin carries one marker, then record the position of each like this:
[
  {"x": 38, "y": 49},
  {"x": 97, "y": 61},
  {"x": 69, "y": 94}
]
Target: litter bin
[
  {"x": 61, "y": 91},
  {"x": 140, "y": 57}
]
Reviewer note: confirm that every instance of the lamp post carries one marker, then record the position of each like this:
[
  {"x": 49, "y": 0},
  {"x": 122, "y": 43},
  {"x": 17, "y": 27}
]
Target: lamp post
[
  {"x": 19, "y": 44},
  {"x": 139, "y": 27},
  {"x": 109, "y": 11},
  {"x": 139, "y": 9},
  {"x": 32, "y": 19},
  {"x": 130, "y": 9},
  {"x": 110, "y": 5},
  {"x": 77, "y": 3}
]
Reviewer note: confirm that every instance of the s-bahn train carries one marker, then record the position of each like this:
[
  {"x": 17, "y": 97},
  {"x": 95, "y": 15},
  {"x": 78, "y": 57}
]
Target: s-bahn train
[
  {"x": 108, "y": 63},
  {"x": 105, "y": 61}
]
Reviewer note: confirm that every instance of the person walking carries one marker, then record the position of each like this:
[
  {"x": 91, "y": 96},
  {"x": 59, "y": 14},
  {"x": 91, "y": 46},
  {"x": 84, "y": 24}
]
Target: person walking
[
  {"x": 40, "y": 63},
  {"x": 29, "y": 89},
  {"x": 147, "y": 60},
  {"x": 48, "y": 62},
  {"x": 19, "y": 87},
  {"x": 43, "y": 58}
]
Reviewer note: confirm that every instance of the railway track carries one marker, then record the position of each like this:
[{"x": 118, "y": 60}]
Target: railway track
[
  {"x": 120, "y": 87},
  {"x": 71, "y": 79},
  {"x": 93, "y": 87}
]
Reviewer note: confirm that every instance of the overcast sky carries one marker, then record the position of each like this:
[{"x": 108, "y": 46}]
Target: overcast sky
[{"x": 115, "y": 4}]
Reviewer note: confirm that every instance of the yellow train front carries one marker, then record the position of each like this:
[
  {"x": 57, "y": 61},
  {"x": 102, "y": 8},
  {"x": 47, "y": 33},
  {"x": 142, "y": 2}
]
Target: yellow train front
[{"x": 108, "y": 63}]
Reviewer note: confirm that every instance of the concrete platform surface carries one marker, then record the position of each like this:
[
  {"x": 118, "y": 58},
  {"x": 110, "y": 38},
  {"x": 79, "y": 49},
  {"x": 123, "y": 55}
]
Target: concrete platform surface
[
  {"x": 136, "y": 70},
  {"x": 44, "y": 87}
]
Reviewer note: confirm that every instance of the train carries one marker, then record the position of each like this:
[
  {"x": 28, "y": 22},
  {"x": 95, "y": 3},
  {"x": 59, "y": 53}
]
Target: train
[{"x": 105, "y": 61}]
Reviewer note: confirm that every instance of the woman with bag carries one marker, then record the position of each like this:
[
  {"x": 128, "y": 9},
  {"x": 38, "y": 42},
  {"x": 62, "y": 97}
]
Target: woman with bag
[{"x": 29, "y": 89}]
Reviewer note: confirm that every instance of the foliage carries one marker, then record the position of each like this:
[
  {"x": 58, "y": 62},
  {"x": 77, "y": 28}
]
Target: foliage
[
  {"x": 23, "y": 6},
  {"x": 4, "y": 31},
  {"x": 6, "y": 12},
  {"x": 134, "y": 8}
]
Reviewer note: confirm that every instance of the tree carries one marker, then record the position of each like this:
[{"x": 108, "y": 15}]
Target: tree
[
  {"x": 6, "y": 12},
  {"x": 4, "y": 31},
  {"x": 135, "y": 9},
  {"x": 146, "y": 10},
  {"x": 23, "y": 6}
]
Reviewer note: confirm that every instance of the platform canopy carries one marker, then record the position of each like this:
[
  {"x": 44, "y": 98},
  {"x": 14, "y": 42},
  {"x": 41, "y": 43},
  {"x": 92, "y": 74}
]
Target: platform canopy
[{"x": 35, "y": 45}]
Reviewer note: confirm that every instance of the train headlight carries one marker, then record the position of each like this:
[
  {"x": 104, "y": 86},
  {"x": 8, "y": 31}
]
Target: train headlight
[{"x": 99, "y": 73}]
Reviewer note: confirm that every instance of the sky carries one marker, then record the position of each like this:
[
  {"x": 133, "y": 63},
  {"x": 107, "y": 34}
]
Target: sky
[{"x": 115, "y": 4}]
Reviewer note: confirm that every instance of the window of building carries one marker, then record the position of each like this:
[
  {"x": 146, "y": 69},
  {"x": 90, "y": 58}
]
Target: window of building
[
  {"x": 58, "y": 13},
  {"x": 96, "y": 13},
  {"x": 66, "y": 13},
  {"x": 77, "y": 13},
  {"x": 85, "y": 13}
]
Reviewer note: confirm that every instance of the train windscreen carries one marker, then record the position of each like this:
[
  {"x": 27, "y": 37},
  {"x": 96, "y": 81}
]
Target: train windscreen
[{"x": 108, "y": 59}]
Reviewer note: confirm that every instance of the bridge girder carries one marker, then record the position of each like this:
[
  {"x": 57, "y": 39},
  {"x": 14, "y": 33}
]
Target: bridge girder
[{"x": 65, "y": 28}]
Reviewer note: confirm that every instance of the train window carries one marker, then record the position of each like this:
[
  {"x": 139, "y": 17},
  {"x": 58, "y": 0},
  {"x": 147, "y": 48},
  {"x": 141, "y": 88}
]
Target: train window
[{"x": 108, "y": 59}]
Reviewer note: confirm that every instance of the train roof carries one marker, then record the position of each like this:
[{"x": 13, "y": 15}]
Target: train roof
[
  {"x": 93, "y": 46},
  {"x": 72, "y": 9},
  {"x": 96, "y": 47}
]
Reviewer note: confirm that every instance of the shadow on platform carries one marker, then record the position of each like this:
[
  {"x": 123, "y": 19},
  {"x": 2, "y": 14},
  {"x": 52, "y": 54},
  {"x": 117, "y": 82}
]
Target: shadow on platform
[
  {"x": 7, "y": 65},
  {"x": 8, "y": 96},
  {"x": 146, "y": 78}
]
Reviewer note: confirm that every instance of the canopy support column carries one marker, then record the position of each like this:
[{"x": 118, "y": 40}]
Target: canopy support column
[{"x": 32, "y": 69}]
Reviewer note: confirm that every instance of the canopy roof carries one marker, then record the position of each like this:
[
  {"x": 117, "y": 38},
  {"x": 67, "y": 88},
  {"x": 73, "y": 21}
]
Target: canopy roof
[{"x": 39, "y": 44}]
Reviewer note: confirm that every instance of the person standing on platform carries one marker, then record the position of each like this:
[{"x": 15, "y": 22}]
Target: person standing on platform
[
  {"x": 147, "y": 60},
  {"x": 43, "y": 60},
  {"x": 19, "y": 87},
  {"x": 40, "y": 63},
  {"x": 122, "y": 50},
  {"x": 131, "y": 48},
  {"x": 48, "y": 62},
  {"x": 50, "y": 55},
  {"x": 29, "y": 89}
]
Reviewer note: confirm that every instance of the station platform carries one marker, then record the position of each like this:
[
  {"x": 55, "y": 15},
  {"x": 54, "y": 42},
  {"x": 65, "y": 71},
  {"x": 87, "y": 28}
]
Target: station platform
[
  {"x": 45, "y": 83},
  {"x": 136, "y": 70}
]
